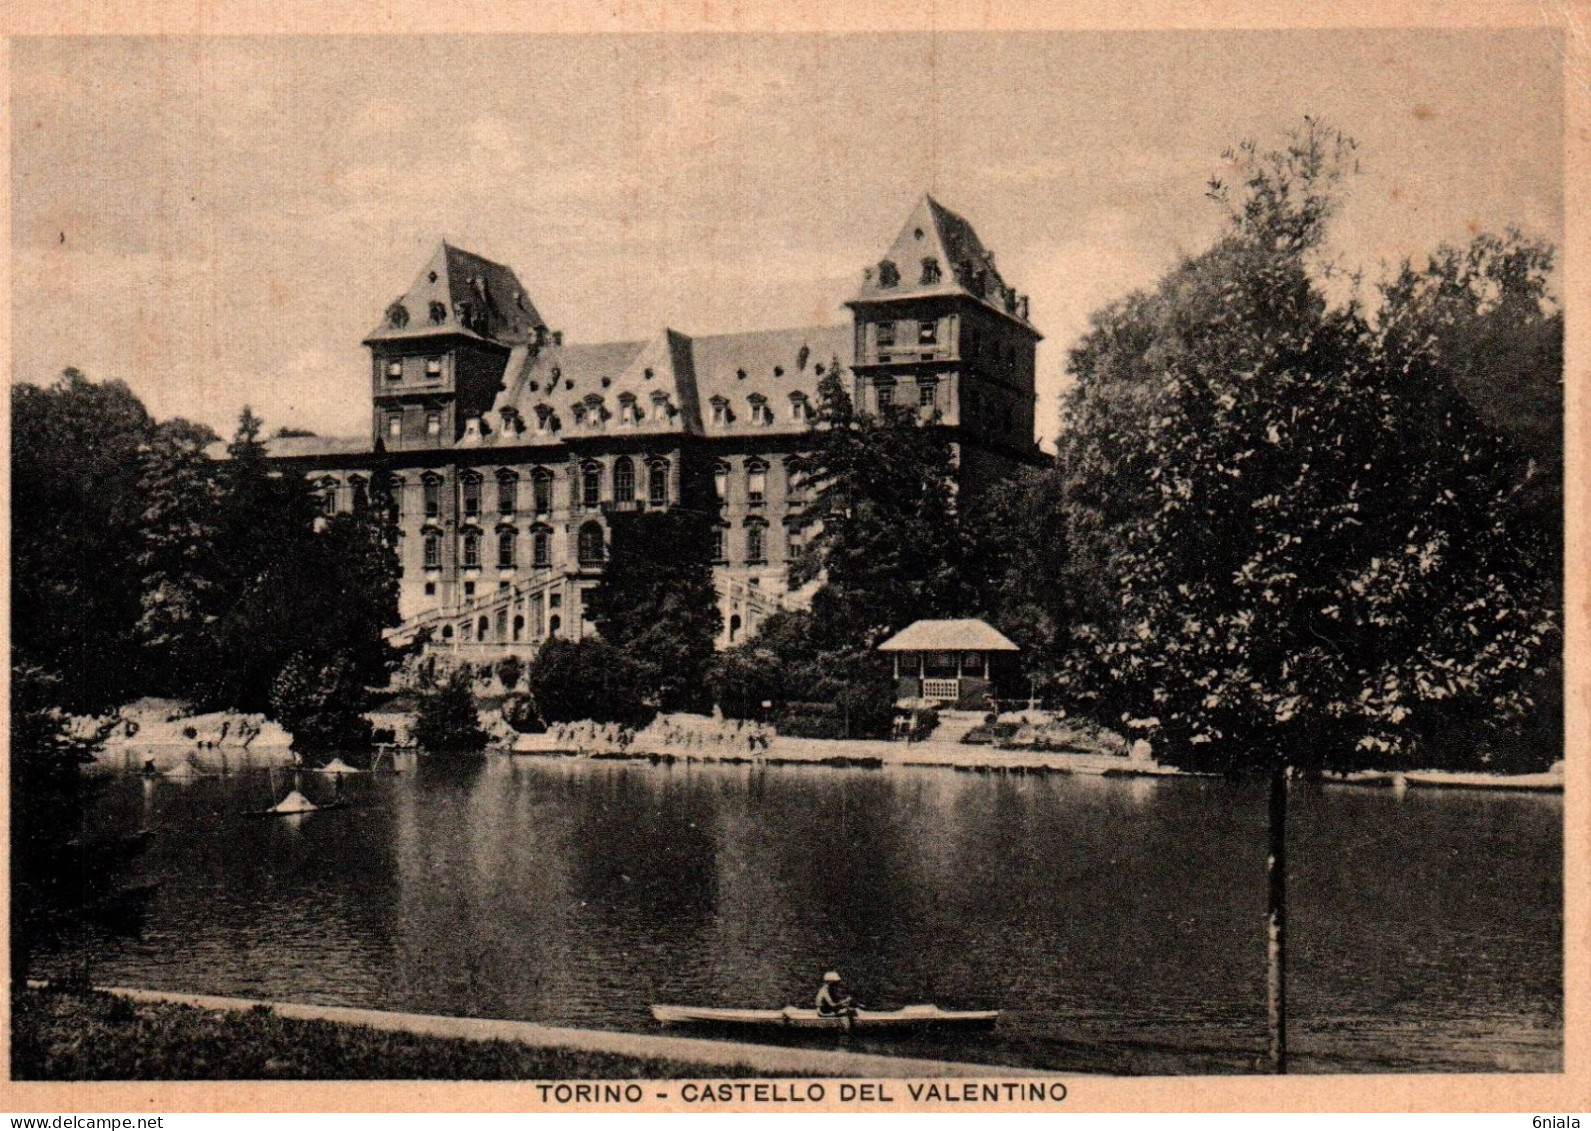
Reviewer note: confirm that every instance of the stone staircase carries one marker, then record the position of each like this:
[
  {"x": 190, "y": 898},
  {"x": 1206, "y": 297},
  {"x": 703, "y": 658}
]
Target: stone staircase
[{"x": 956, "y": 725}]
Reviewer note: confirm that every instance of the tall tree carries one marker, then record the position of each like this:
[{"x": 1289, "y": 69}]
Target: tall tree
[
  {"x": 1310, "y": 538},
  {"x": 75, "y": 507},
  {"x": 657, "y": 603}
]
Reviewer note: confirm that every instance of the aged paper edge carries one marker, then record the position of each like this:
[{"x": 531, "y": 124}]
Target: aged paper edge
[{"x": 1569, "y": 1091}]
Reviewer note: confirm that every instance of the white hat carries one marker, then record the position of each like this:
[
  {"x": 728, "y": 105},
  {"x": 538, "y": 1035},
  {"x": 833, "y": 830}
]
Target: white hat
[{"x": 831, "y": 976}]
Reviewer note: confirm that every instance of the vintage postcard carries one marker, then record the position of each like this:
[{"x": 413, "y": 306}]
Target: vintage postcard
[{"x": 856, "y": 562}]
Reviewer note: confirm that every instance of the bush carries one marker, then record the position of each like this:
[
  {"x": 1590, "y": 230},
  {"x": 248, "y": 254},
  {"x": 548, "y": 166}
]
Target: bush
[
  {"x": 924, "y": 722},
  {"x": 509, "y": 672},
  {"x": 447, "y": 722},
  {"x": 575, "y": 680},
  {"x": 809, "y": 720},
  {"x": 519, "y": 712}
]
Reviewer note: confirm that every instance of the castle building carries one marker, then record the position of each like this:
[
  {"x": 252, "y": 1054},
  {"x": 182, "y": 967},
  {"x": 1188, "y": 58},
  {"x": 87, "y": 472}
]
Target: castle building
[{"x": 507, "y": 450}]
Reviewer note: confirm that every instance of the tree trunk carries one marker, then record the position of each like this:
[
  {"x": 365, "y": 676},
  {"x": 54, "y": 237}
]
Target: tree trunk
[{"x": 1276, "y": 919}]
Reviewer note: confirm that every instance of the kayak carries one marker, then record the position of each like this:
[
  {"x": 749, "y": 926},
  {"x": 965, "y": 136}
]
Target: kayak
[{"x": 911, "y": 1016}]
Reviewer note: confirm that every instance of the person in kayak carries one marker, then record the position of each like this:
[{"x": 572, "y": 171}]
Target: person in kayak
[{"x": 833, "y": 1001}]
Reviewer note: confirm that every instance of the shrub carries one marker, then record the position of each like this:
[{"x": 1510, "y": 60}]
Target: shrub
[
  {"x": 509, "y": 672},
  {"x": 447, "y": 722},
  {"x": 590, "y": 679}
]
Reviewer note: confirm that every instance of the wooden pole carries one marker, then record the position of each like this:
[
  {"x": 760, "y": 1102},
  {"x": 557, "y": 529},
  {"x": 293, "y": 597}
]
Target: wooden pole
[{"x": 1276, "y": 919}]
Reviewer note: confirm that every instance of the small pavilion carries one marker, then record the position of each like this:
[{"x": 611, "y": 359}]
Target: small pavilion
[{"x": 958, "y": 663}]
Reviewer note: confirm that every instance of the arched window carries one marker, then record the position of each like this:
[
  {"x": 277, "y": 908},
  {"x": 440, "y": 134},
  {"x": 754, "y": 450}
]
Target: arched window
[
  {"x": 506, "y": 540},
  {"x": 507, "y": 492},
  {"x": 592, "y": 550},
  {"x": 433, "y": 496},
  {"x": 472, "y": 495},
  {"x": 481, "y": 627},
  {"x": 756, "y": 542},
  {"x": 554, "y": 625},
  {"x": 623, "y": 480},
  {"x": 540, "y": 547},
  {"x": 734, "y": 627},
  {"x": 472, "y": 550},
  {"x": 756, "y": 482},
  {"x": 591, "y": 485},
  {"x": 519, "y": 627},
  {"x": 433, "y": 551},
  {"x": 657, "y": 483},
  {"x": 447, "y": 632},
  {"x": 541, "y": 490},
  {"x": 721, "y": 481}
]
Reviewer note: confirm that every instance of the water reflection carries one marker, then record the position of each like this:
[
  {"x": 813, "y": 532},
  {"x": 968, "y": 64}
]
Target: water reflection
[{"x": 1116, "y": 922}]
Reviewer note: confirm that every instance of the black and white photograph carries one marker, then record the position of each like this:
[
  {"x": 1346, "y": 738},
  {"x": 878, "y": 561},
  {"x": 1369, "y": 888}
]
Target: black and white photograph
[{"x": 698, "y": 567}]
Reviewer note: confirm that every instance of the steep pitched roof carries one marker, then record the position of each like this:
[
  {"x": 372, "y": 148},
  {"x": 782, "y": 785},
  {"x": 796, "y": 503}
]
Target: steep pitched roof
[
  {"x": 463, "y": 293},
  {"x": 581, "y": 389},
  {"x": 938, "y": 253},
  {"x": 766, "y": 364}
]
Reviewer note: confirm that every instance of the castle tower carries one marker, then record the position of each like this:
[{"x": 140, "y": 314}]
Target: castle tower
[
  {"x": 438, "y": 357},
  {"x": 938, "y": 330}
]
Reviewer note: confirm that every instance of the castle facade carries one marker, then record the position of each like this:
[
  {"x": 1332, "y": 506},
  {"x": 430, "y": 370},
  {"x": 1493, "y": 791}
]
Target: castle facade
[{"x": 507, "y": 450}]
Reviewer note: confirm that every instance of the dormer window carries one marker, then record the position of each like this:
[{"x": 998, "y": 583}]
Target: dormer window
[
  {"x": 394, "y": 370},
  {"x": 438, "y": 313},
  {"x": 660, "y": 407},
  {"x": 798, "y": 407},
  {"x": 629, "y": 412},
  {"x": 593, "y": 410},
  {"x": 760, "y": 412},
  {"x": 930, "y": 270},
  {"x": 720, "y": 410},
  {"x": 543, "y": 418},
  {"x": 888, "y": 273},
  {"x": 433, "y": 368}
]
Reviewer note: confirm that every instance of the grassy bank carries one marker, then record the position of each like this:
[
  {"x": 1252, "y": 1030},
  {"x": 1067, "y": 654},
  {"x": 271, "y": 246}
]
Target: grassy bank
[{"x": 94, "y": 1036}]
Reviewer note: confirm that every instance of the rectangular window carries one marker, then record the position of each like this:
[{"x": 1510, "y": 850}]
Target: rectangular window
[
  {"x": 469, "y": 591},
  {"x": 505, "y": 551},
  {"x": 886, "y": 395},
  {"x": 394, "y": 371},
  {"x": 433, "y": 498},
  {"x": 395, "y": 427},
  {"x": 433, "y": 558},
  {"x": 433, "y": 424},
  {"x": 756, "y": 484},
  {"x": 886, "y": 334},
  {"x": 720, "y": 544},
  {"x": 433, "y": 368},
  {"x": 472, "y": 552},
  {"x": 472, "y": 497},
  {"x": 927, "y": 333},
  {"x": 657, "y": 484},
  {"x": 430, "y": 589},
  {"x": 507, "y": 495},
  {"x": 541, "y": 489},
  {"x": 925, "y": 395}
]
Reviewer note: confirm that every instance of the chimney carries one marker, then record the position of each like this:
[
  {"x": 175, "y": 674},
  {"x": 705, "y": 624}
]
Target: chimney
[{"x": 557, "y": 337}]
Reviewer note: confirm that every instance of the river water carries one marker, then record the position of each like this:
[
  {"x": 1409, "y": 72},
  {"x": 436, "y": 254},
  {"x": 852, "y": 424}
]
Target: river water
[{"x": 1117, "y": 923}]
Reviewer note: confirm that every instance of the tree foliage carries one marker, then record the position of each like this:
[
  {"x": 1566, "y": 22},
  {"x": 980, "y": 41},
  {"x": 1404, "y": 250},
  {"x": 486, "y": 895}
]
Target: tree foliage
[
  {"x": 657, "y": 604},
  {"x": 1312, "y": 542},
  {"x": 447, "y": 722},
  {"x": 575, "y": 680}
]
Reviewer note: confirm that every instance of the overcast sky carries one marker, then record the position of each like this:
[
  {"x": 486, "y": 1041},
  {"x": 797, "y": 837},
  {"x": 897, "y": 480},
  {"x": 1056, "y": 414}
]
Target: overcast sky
[{"x": 220, "y": 222}]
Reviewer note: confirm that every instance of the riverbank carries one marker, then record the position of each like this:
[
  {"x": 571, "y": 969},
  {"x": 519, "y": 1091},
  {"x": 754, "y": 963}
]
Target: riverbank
[{"x": 129, "y": 1034}]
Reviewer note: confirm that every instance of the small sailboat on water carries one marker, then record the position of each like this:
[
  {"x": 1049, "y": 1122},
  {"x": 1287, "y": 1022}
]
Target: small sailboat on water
[{"x": 296, "y": 804}]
